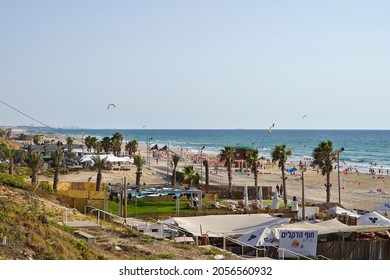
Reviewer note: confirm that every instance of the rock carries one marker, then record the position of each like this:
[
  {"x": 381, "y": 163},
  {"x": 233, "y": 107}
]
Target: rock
[{"x": 219, "y": 257}]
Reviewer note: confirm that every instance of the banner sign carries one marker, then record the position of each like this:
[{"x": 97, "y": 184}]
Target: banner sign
[{"x": 303, "y": 242}]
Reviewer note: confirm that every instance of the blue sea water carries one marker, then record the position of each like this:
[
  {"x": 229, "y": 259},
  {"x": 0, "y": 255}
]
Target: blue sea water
[{"x": 361, "y": 147}]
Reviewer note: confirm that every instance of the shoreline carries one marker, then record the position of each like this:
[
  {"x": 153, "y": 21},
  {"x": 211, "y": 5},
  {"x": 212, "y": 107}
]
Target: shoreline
[{"x": 358, "y": 190}]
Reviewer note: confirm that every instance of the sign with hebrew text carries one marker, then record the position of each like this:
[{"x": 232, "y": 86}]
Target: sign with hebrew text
[{"x": 302, "y": 242}]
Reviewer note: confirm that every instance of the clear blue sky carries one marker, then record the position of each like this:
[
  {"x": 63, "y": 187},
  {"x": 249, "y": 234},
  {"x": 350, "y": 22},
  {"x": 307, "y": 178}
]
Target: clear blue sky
[{"x": 196, "y": 64}]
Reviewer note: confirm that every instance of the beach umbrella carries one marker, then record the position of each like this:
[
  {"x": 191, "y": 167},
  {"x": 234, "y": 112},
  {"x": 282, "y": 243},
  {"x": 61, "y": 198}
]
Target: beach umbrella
[
  {"x": 275, "y": 201},
  {"x": 246, "y": 196},
  {"x": 384, "y": 207},
  {"x": 291, "y": 170}
]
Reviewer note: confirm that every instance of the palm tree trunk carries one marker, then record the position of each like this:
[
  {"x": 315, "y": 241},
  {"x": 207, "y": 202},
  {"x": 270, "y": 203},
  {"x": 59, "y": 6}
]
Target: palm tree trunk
[
  {"x": 206, "y": 170},
  {"x": 284, "y": 188},
  {"x": 230, "y": 180},
  {"x": 174, "y": 176},
  {"x": 98, "y": 181},
  {"x": 55, "y": 179},
  {"x": 138, "y": 177},
  {"x": 256, "y": 188},
  {"x": 328, "y": 185}
]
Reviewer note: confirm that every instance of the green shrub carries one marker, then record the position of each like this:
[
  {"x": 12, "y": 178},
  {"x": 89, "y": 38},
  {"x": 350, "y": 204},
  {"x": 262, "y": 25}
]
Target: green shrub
[
  {"x": 45, "y": 186},
  {"x": 13, "y": 181},
  {"x": 3, "y": 167}
]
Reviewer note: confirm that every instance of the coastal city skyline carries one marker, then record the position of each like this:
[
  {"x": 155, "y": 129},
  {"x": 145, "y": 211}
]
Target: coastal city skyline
[{"x": 197, "y": 65}]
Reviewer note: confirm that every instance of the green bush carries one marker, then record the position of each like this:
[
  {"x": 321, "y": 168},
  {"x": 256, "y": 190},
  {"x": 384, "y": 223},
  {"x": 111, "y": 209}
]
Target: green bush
[
  {"x": 13, "y": 181},
  {"x": 3, "y": 167},
  {"x": 45, "y": 186}
]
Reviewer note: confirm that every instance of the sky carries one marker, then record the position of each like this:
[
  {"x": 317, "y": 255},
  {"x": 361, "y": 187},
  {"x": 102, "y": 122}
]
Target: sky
[{"x": 195, "y": 64}]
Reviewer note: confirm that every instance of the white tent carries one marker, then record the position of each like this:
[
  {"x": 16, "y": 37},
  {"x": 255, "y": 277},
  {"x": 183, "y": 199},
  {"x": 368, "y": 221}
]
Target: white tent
[
  {"x": 332, "y": 212},
  {"x": 259, "y": 237},
  {"x": 326, "y": 227},
  {"x": 373, "y": 218},
  {"x": 218, "y": 225},
  {"x": 384, "y": 207}
]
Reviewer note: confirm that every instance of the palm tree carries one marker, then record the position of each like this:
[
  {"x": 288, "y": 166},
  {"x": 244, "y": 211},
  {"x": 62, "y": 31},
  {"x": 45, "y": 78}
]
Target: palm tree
[
  {"x": 206, "y": 171},
  {"x": 227, "y": 155},
  {"x": 323, "y": 157},
  {"x": 189, "y": 174},
  {"x": 280, "y": 155},
  {"x": 35, "y": 163},
  {"x": 139, "y": 161},
  {"x": 175, "y": 159},
  {"x": 106, "y": 144},
  {"x": 69, "y": 143},
  {"x": 57, "y": 158},
  {"x": 88, "y": 143},
  {"x": 254, "y": 163},
  {"x": 116, "y": 140},
  {"x": 9, "y": 153},
  {"x": 132, "y": 147},
  {"x": 99, "y": 164}
]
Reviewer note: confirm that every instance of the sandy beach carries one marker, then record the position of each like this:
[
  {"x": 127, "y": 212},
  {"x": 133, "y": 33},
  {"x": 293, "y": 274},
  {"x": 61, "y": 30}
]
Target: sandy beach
[{"x": 358, "y": 190}]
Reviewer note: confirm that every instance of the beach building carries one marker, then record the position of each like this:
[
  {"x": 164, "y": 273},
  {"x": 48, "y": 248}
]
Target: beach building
[{"x": 241, "y": 156}]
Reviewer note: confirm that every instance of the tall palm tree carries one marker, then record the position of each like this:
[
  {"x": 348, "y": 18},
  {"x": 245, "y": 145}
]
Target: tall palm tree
[
  {"x": 132, "y": 147},
  {"x": 139, "y": 161},
  {"x": 98, "y": 165},
  {"x": 175, "y": 160},
  {"x": 88, "y": 142},
  {"x": 280, "y": 154},
  {"x": 254, "y": 163},
  {"x": 57, "y": 158},
  {"x": 35, "y": 163},
  {"x": 227, "y": 155},
  {"x": 206, "y": 171},
  {"x": 323, "y": 157},
  {"x": 116, "y": 140},
  {"x": 189, "y": 174},
  {"x": 106, "y": 144},
  {"x": 9, "y": 153},
  {"x": 69, "y": 143}
]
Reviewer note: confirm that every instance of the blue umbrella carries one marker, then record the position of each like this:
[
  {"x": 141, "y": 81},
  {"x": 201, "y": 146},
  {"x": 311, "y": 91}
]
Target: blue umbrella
[{"x": 291, "y": 170}]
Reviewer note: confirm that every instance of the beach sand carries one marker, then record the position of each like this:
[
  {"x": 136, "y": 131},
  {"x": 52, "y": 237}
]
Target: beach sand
[{"x": 358, "y": 191}]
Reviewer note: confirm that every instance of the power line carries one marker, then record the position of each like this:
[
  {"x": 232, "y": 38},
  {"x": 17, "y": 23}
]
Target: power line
[{"x": 24, "y": 114}]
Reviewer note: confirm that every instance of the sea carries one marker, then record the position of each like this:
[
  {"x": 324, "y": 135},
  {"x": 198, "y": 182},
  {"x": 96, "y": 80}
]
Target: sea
[{"x": 362, "y": 148}]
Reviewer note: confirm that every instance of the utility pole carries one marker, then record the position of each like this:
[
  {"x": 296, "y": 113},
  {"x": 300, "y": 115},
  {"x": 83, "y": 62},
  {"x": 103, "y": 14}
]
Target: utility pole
[{"x": 125, "y": 199}]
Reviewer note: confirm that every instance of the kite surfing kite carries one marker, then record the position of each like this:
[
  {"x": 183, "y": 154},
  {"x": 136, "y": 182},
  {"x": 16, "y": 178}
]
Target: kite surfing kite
[
  {"x": 271, "y": 127},
  {"x": 110, "y": 105}
]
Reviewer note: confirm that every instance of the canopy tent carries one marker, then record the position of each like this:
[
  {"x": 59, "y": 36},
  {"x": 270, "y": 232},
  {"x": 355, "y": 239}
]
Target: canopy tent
[
  {"x": 108, "y": 158},
  {"x": 326, "y": 227},
  {"x": 155, "y": 147},
  {"x": 373, "y": 218},
  {"x": 217, "y": 225},
  {"x": 383, "y": 207},
  {"x": 259, "y": 237},
  {"x": 332, "y": 212}
]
